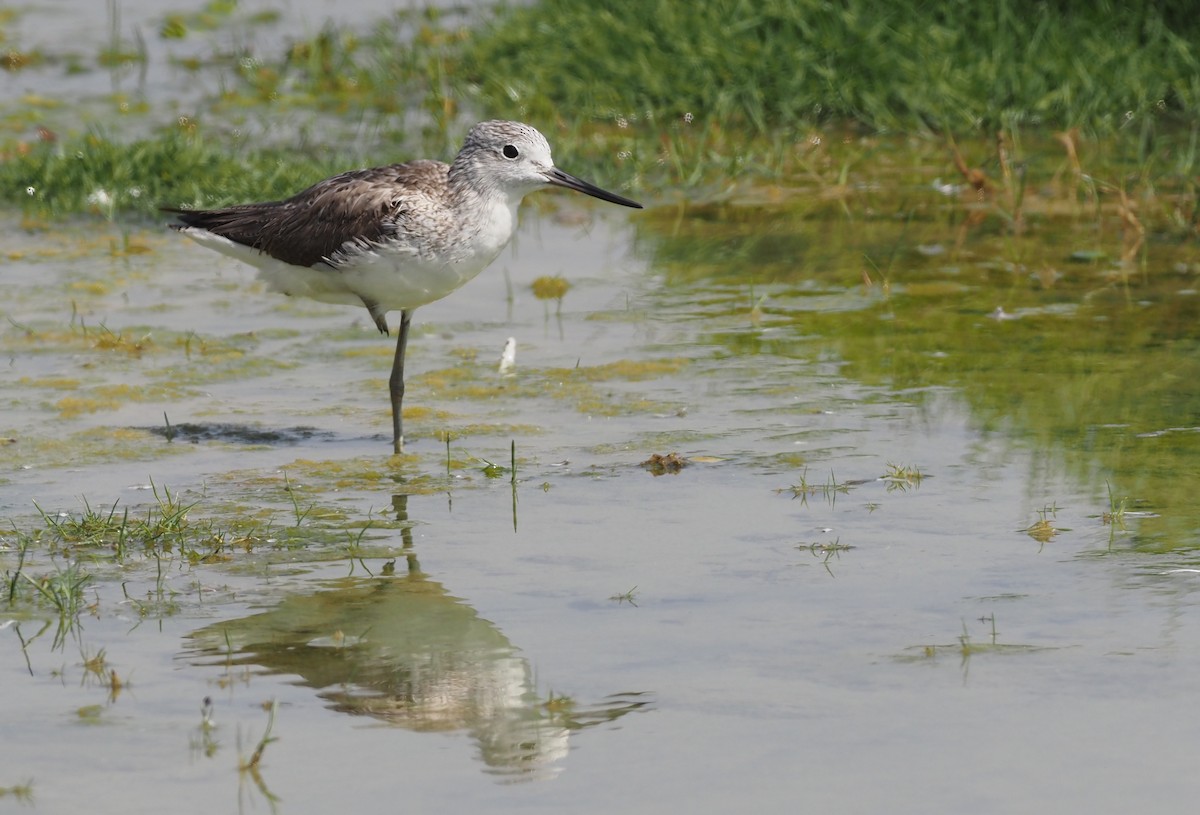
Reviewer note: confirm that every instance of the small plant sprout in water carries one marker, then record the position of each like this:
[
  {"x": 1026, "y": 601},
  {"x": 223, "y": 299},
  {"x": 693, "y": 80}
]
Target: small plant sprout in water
[
  {"x": 967, "y": 647},
  {"x": 354, "y": 547},
  {"x": 828, "y": 489},
  {"x": 625, "y": 597},
  {"x": 299, "y": 513},
  {"x": 1116, "y": 509},
  {"x": 494, "y": 470},
  {"x": 964, "y": 642},
  {"x": 756, "y": 312},
  {"x": 901, "y": 477},
  {"x": 1119, "y": 512},
  {"x": 826, "y": 549},
  {"x": 1043, "y": 530}
]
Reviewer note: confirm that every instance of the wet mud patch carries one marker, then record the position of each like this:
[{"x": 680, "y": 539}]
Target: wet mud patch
[{"x": 195, "y": 433}]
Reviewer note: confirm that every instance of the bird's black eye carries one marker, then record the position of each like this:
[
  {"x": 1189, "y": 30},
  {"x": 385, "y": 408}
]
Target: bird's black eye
[{"x": 510, "y": 151}]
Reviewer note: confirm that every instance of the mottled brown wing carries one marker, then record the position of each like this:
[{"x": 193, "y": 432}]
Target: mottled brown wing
[{"x": 358, "y": 207}]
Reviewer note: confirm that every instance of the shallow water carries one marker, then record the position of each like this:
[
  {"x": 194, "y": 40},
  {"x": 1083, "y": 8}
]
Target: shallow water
[
  {"x": 755, "y": 645},
  {"x": 891, "y": 577}
]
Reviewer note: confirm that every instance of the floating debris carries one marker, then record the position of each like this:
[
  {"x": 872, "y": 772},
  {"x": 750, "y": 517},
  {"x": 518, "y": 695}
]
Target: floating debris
[
  {"x": 660, "y": 465},
  {"x": 508, "y": 357}
]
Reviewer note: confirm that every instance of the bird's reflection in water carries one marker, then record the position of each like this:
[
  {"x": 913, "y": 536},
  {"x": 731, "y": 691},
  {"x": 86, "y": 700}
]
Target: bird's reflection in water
[{"x": 401, "y": 649}]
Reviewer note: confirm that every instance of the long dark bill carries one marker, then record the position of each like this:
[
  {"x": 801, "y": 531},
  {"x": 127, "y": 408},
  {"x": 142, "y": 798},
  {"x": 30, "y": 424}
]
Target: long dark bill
[{"x": 560, "y": 179}]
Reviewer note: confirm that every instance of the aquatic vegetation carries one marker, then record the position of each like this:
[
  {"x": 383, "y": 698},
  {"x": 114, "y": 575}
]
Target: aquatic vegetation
[
  {"x": 1043, "y": 529},
  {"x": 902, "y": 477},
  {"x": 168, "y": 528},
  {"x": 967, "y": 647},
  {"x": 62, "y": 591},
  {"x": 829, "y": 489},
  {"x": 1116, "y": 509},
  {"x": 629, "y": 596},
  {"x": 550, "y": 288},
  {"x": 658, "y": 464}
]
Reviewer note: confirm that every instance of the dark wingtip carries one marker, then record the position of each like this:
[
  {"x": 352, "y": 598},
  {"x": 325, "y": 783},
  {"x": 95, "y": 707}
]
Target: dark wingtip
[
  {"x": 176, "y": 211},
  {"x": 187, "y": 217}
]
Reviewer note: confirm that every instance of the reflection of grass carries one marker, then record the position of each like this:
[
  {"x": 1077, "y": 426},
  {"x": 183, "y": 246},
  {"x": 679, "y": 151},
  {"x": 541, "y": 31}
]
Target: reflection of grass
[
  {"x": 96, "y": 669},
  {"x": 255, "y": 758},
  {"x": 250, "y": 767},
  {"x": 1055, "y": 375},
  {"x": 61, "y": 590}
]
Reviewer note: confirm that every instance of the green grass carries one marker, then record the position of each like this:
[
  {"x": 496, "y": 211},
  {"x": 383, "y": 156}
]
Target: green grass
[
  {"x": 96, "y": 174},
  {"x": 648, "y": 94},
  {"x": 164, "y": 529},
  {"x": 761, "y": 64}
]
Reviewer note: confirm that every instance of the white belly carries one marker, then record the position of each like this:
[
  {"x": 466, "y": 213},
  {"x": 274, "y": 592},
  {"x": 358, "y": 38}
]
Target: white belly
[{"x": 392, "y": 276}]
